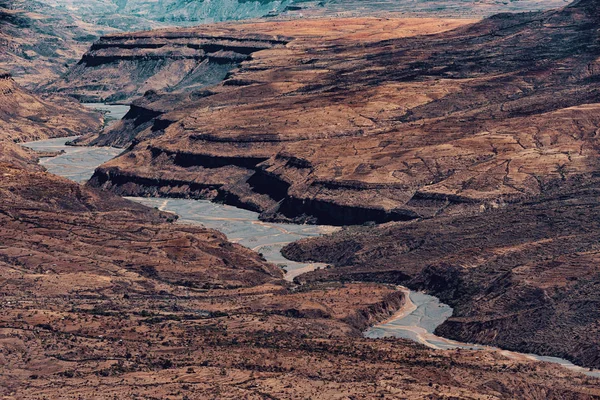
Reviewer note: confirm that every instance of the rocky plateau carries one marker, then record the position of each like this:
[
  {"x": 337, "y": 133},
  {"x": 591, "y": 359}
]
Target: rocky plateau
[{"x": 105, "y": 298}]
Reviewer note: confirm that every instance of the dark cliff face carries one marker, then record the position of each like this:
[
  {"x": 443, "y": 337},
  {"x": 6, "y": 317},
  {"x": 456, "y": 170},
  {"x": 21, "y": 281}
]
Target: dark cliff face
[
  {"x": 520, "y": 277},
  {"x": 123, "y": 67}
]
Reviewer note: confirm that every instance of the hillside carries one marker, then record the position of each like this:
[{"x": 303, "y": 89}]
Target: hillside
[
  {"x": 105, "y": 298},
  {"x": 25, "y": 116},
  {"x": 39, "y": 43},
  {"x": 368, "y": 127}
]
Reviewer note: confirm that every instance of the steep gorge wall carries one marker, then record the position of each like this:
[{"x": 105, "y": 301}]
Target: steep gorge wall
[
  {"x": 351, "y": 128},
  {"x": 123, "y": 67}
]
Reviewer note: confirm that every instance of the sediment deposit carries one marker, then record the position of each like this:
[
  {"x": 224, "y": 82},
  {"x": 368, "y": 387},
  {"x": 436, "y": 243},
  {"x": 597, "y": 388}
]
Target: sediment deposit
[
  {"x": 103, "y": 297},
  {"x": 480, "y": 125}
]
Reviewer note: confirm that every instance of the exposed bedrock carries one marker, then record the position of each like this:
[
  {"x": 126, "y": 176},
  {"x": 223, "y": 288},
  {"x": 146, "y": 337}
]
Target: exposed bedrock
[
  {"x": 522, "y": 277},
  {"x": 368, "y": 316},
  {"x": 124, "y": 66},
  {"x": 240, "y": 180},
  {"x": 415, "y": 121}
]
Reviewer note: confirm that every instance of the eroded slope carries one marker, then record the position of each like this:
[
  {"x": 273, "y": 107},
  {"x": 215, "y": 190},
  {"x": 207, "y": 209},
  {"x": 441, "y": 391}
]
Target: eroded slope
[
  {"x": 25, "y": 116},
  {"x": 522, "y": 277},
  {"x": 103, "y": 298},
  {"x": 39, "y": 43}
]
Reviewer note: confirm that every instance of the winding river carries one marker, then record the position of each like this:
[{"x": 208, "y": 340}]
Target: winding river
[{"x": 417, "y": 319}]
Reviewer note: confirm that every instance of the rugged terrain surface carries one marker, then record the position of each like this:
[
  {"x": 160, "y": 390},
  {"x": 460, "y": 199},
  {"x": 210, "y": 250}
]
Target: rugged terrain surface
[
  {"x": 522, "y": 277},
  {"x": 123, "y": 67},
  {"x": 374, "y": 127},
  {"x": 39, "y": 43},
  {"x": 104, "y": 298},
  {"x": 498, "y": 117},
  {"x": 41, "y": 39},
  {"x": 439, "y": 8},
  {"x": 235, "y": 140},
  {"x": 25, "y": 116}
]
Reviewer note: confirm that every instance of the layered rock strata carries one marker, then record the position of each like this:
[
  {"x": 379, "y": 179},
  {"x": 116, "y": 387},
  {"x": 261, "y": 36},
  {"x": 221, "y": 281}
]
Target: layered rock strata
[
  {"x": 360, "y": 126},
  {"x": 105, "y": 298},
  {"x": 125, "y": 66}
]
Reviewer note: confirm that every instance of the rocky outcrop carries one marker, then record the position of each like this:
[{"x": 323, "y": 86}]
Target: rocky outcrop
[
  {"x": 519, "y": 277},
  {"x": 114, "y": 297},
  {"x": 378, "y": 312},
  {"x": 123, "y": 67},
  {"x": 356, "y": 130}
]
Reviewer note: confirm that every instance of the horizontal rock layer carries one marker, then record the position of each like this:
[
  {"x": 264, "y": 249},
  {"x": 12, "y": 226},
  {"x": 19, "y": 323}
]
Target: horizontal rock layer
[
  {"x": 104, "y": 295},
  {"x": 122, "y": 67},
  {"x": 359, "y": 126},
  {"x": 521, "y": 277}
]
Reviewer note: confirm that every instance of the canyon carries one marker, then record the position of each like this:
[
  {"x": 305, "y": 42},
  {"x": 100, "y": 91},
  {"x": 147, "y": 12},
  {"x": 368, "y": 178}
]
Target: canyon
[
  {"x": 368, "y": 127},
  {"x": 104, "y": 297},
  {"x": 387, "y": 127},
  {"x": 457, "y": 156}
]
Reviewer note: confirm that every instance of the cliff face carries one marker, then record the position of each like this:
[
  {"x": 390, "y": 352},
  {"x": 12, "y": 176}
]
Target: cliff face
[
  {"x": 123, "y": 67},
  {"x": 520, "y": 277},
  {"x": 244, "y": 129},
  {"x": 358, "y": 127},
  {"x": 25, "y": 116}
]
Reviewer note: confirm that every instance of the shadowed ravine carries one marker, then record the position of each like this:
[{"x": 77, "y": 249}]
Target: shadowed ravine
[{"x": 417, "y": 320}]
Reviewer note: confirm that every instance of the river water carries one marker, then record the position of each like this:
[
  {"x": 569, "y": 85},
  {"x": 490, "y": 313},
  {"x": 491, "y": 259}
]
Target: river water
[
  {"x": 416, "y": 321},
  {"x": 240, "y": 226},
  {"x": 112, "y": 112}
]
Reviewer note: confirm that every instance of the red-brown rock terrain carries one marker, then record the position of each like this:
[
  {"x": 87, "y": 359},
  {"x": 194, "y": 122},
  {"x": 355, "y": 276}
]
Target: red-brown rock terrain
[
  {"x": 125, "y": 66},
  {"x": 25, "y": 116},
  {"x": 39, "y": 43},
  {"x": 522, "y": 277},
  {"x": 104, "y": 298},
  {"x": 487, "y": 130},
  {"x": 366, "y": 125},
  {"x": 360, "y": 126}
]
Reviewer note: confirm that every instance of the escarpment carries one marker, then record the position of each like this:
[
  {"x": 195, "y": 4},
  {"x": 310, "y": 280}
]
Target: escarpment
[
  {"x": 269, "y": 88},
  {"x": 90, "y": 277},
  {"x": 519, "y": 277},
  {"x": 124, "y": 66}
]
